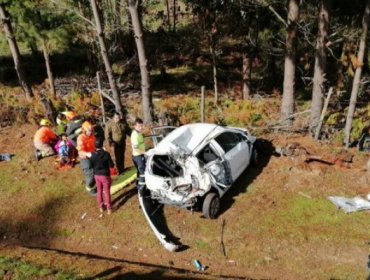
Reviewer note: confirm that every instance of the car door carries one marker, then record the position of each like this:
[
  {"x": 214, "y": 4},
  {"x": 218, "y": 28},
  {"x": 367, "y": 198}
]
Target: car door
[{"x": 236, "y": 151}]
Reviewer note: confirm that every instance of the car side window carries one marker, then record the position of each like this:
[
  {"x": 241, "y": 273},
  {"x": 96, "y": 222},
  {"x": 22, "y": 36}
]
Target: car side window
[
  {"x": 228, "y": 140},
  {"x": 207, "y": 154}
]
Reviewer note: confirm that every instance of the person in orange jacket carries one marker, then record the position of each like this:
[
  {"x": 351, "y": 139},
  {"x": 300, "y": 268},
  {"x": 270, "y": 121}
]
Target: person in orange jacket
[
  {"x": 44, "y": 140},
  {"x": 85, "y": 146}
]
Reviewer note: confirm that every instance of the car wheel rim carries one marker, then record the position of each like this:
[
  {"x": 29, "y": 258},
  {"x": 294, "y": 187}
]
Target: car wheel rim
[{"x": 215, "y": 205}]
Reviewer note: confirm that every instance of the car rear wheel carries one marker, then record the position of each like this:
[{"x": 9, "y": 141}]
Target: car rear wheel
[{"x": 211, "y": 206}]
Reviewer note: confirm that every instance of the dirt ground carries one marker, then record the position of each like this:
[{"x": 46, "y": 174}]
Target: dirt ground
[{"x": 278, "y": 223}]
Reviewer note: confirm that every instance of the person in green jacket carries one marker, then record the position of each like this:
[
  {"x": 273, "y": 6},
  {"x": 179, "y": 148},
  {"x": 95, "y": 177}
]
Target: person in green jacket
[
  {"x": 138, "y": 151},
  {"x": 116, "y": 131}
]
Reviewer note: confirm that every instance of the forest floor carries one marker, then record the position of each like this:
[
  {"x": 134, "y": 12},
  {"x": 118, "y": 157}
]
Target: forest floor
[{"x": 279, "y": 223}]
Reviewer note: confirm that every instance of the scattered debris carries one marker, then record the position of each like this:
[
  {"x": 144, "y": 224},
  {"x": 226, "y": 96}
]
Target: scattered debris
[
  {"x": 292, "y": 150},
  {"x": 83, "y": 216},
  {"x": 305, "y": 195},
  {"x": 231, "y": 261},
  {"x": 223, "y": 250},
  {"x": 302, "y": 156},
  {"x": 162, "y": 236},
  {"x": 198, "y": 265},
  {"x": 349, "y": 205},
  {"x": 6, "y": 157}
]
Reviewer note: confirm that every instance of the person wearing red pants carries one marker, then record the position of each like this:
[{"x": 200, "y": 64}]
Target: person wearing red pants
[{"x": 101, "y": 161}]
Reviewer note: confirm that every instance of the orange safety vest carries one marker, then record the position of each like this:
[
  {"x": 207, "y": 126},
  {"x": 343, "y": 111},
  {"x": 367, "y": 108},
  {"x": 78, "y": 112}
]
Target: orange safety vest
[
  {"x": 44, "y": 135},
  {"x": 85, "y": 144}
]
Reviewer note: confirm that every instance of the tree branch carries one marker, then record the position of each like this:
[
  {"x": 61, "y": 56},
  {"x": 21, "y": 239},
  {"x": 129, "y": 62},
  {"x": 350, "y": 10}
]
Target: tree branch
[
  {"x": 107, "y": 96},
  {"x": 263, "y": 3}
]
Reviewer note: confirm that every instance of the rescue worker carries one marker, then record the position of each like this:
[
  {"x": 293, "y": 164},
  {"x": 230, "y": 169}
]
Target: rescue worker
[
  {"x": 138, "y": 151},
  {"x": 73, "y": 127},
  {"x": 61, "y": 124},
  {"x": 115, "y": 132},
  {"x": 44, "y": 140},
  {"x": 85, "y": 146}
]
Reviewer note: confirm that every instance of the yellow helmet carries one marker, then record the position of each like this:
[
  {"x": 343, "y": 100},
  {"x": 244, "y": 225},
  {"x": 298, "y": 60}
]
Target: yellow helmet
[
  {"x": 87, "y": 126},
  {"x": 45, "y": 122}
]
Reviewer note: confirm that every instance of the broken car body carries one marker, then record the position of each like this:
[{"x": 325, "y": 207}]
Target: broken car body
[
  {"x": 193, "y": 165},
  {"x": 197, "y": 161}
]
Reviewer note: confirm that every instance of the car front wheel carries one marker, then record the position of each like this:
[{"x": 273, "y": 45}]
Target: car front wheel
[{"x": 211, "y": 205}]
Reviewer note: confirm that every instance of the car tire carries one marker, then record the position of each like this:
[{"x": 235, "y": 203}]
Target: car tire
[
  {"x": 211, "y": 205},
  {"x": 254, "y": 157}
]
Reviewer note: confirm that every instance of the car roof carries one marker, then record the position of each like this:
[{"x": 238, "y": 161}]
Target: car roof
[{"x": 190, "y": 136}]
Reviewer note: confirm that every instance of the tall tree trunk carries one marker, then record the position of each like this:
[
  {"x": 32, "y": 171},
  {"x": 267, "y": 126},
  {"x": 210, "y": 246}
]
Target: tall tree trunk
[
  {"x": 5, "y": 20},
  {"x": 48, "y": 68},
  {"x": 168, "y": 15},
  {"x": 104, "y": 54},
  {"x": 247, "y": 71},
  {"x": 174, "y": 15},
  {"x": 145, "y": 79},
  {"x": 357, "y": 78},
  {"x": 320, "y": 65},
  {"x": 287, "y": 107},
  {"x": 117, "y": 20},
  {"x": 214, "y": 63}
]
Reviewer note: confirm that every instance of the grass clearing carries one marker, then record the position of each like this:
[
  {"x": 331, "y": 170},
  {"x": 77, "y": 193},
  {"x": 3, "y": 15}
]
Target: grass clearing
[
  {"x": 270, "y": 230},
  {"x": 19, "y": 270}
]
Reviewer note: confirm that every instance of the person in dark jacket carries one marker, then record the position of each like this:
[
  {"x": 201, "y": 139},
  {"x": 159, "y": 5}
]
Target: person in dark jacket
[
  {"x": 116, "y": 131},
  {"x": 101, "y": 162}
]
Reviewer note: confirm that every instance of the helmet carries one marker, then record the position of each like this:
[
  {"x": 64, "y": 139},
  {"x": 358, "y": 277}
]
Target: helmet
[
  {"x": 45, "y": 122},
  {"x": 70, "y": 115},
  {"x": 87, "y": 126}
]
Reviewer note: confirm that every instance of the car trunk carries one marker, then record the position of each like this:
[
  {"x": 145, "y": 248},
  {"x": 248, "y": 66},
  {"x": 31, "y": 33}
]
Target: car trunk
[{"x": 166, "y": 166}]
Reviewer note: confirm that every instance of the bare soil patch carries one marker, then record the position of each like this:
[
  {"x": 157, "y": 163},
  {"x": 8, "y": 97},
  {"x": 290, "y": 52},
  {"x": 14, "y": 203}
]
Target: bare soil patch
[{"x": 278, "y": 222}]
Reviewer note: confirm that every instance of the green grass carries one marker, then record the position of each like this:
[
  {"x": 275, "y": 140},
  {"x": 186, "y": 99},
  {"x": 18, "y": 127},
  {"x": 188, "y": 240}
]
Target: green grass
[
  {"x": 19, "y": 270},
  {"x": 316, "y": 220}
]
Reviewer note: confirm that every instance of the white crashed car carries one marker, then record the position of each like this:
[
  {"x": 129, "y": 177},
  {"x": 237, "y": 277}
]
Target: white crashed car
[{"x": 195, "y": 165}]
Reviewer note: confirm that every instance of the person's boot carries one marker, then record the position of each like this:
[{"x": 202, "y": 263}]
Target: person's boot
[
  {"x": 91, "y": 190},
  {"x": 38, "y": 155}
]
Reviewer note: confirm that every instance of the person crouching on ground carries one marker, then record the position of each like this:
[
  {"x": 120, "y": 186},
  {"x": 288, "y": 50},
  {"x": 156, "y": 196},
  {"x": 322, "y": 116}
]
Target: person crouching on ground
[
  {"x": 65, "y": 150},
  {"x": 101, "y": 162},
  {"x": 138, "y": 151},
  {"x": 86, "y": 145},
  {"x": 44, "y": 140}
]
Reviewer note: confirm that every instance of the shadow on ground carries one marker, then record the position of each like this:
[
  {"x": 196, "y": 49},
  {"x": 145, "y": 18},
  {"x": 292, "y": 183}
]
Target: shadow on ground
[
  {"x": 123, "y": 197},
  {"x": 35, "y": 227},
  {"x": 147, "y": 270}
]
